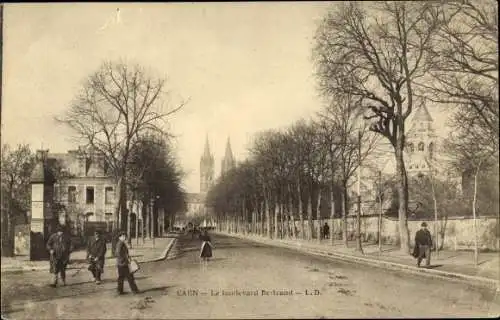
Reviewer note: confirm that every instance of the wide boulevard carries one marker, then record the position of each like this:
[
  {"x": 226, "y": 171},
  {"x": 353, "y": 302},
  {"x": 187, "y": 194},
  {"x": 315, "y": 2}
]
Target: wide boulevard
[{"x": 245, "y": 280}]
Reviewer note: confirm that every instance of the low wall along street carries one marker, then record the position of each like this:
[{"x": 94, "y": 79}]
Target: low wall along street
[{"x": 456, "y": 232}]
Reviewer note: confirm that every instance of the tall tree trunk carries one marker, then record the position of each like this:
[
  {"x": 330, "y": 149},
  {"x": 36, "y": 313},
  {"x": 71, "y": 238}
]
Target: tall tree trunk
[
  {"x": 291, "y": 221},
  {"x": 262, "y": 220},
  {"x": 268, "y": 217},
  {"x": 332, "y": 215},
  {"x": 276, "y": 212},
  {"x": 310, "y": 215},
  {"x": 129, "y": 221},
  {"x": 404, "y": 235},
  {"x": 116, "y": 218},
  {"x": 344, "y": 216},
  {"x": 474, "y": 217},
  {"x": 282, "y": 220},
  {"x": 301, "y": 210},
  {"x": 137, "y": 223},
  {"x": 318, "y": 213}
]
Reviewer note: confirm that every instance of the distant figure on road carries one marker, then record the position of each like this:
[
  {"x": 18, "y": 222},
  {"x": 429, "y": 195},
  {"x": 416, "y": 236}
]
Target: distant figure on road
[
  {"x": 20, "y": 243},
  {"x": 96, "y": 253},
  {"x": 206, "y": 247},
  {"x": 59, "y": 246},
  {"x": 423, "y": 244},
  {"x": 326, "y": 231},
  {"x": 122, "y": 263}
]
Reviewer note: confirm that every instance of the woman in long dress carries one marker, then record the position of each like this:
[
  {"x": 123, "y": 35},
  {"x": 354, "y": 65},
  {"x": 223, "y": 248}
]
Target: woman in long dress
[{"x": 206, "y": 247}]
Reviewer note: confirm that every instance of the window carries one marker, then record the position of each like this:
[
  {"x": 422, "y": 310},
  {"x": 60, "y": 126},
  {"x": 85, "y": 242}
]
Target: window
[
  {"x": 72, "y": 194},
  {"x": 421, "y": 146},
  {"x": 410, "y": 147},
  {"x": 109, "y": 195},
  {"x": 431, "y": 150},
  {"x": 90, "y": 195}
]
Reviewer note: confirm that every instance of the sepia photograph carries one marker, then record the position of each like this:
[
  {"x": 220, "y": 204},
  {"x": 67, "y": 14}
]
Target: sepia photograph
[{"x": 250, "y": 160}]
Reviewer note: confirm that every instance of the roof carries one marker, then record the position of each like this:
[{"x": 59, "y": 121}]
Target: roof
[
  {"x": 422, "y": 114},
  {"x": 206, "y": 152},
  {"x": 42, "y": 174}
]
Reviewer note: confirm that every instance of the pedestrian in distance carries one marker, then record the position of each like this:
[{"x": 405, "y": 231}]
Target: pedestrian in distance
[
  {"x": 96, "y": 253},
  {"x": 326, "y": 231},
  {"x": 59, "y": 247},
  {"x": 123, "y": 261},
  {"x": 423, "y": 245},
  {"x": 206, "y": 247}
]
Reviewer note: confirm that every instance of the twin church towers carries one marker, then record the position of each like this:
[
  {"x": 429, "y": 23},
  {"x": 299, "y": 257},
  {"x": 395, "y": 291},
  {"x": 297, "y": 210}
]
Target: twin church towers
[{"x": 207, "y": 165}]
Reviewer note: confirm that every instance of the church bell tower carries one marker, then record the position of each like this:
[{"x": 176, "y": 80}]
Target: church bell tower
[{"x": 206, "y": 168}]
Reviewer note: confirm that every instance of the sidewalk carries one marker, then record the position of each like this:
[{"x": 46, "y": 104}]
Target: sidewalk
[
  {"x": 450, "y": 264},
  {"x": 142, "y": 252}
]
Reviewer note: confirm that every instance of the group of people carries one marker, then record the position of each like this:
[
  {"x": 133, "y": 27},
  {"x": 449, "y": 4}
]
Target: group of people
[{"x": 59, "y": 247}]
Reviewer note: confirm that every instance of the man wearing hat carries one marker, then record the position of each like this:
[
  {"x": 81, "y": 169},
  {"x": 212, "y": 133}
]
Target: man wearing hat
[
  {"x": 59, "y": 247},
  {"x": 122, "y": 263},
  {"x": 423, "y": 242},
  {"x": 96, "y": 253}
]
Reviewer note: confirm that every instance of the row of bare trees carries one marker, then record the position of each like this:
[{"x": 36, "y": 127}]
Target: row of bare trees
[
  {"x": 295, "y": 175},
  {"x": 381, "y": 59},
  {"x": 394, "y": 56}
]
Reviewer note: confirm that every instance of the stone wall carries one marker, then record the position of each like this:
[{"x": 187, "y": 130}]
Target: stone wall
[{"x": 458, "y": 231}]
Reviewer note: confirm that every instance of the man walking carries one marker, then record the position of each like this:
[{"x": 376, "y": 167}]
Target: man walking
[
  {"x": 326, "y": 231},
  {"x": 423, "y": 242},
  {"x": 59, "y": 246},
  {"x": 96, "y": 253},
  {"x": 122, "y": 263}
]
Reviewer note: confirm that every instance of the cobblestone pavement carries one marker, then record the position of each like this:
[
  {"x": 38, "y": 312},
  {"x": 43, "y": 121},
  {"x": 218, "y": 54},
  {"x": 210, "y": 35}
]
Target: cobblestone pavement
[{"x": 184, "y": 288}]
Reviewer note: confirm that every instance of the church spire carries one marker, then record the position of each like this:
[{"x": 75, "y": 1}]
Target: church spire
[
  {"x": 228, "y": 161},
  {"x": 206, "y": 152},
  {"x": 206, "y": 168},
  {"x": 229, "y": 153}
]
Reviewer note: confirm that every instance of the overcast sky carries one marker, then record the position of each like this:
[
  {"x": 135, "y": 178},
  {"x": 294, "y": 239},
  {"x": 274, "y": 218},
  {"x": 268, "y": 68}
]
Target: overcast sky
[{"x": 245, "y": 67}]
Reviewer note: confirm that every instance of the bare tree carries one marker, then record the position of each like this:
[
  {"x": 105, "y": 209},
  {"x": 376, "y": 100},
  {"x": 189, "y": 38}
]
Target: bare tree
[
  {"x": 375, "y": 51},
  {"x": 116, "y": 105},
  {"x": 350, "y": 142},
  {"x": 17, "y": 166},
  {"x": 465, "y": 67},
  {"x": 469, "y": 156}
]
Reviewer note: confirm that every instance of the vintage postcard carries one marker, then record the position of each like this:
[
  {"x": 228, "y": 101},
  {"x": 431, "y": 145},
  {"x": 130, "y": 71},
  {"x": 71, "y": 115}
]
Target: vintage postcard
[{"x": 250, "y": 160}]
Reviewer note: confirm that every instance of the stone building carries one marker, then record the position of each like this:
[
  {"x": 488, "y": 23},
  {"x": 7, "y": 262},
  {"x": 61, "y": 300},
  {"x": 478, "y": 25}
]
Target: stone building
[
  {"x": 423, "y": 155},
  {"x": 86, "y": 188},
  {"x": 228, "y": 162},
  {"x": 196, "y": 205}
]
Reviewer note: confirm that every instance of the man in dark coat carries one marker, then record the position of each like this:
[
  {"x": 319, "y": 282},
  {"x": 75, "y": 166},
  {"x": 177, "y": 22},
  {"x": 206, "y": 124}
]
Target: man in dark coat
[
  {"x": 122, "y": 263},
  {"x": 59, "y": 247},
  {"x": 423, "y": 243},
  {"x": 96, "y": 253},
  {"x": 326, "y": 231}
]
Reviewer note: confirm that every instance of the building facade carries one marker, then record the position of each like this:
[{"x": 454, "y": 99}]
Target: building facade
[
  {"x": 423, "y": 156},
  {"x": 86, "y": 189},
  {"x": 228, "y": 162},
  {"x": 196, "y": 202}
]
